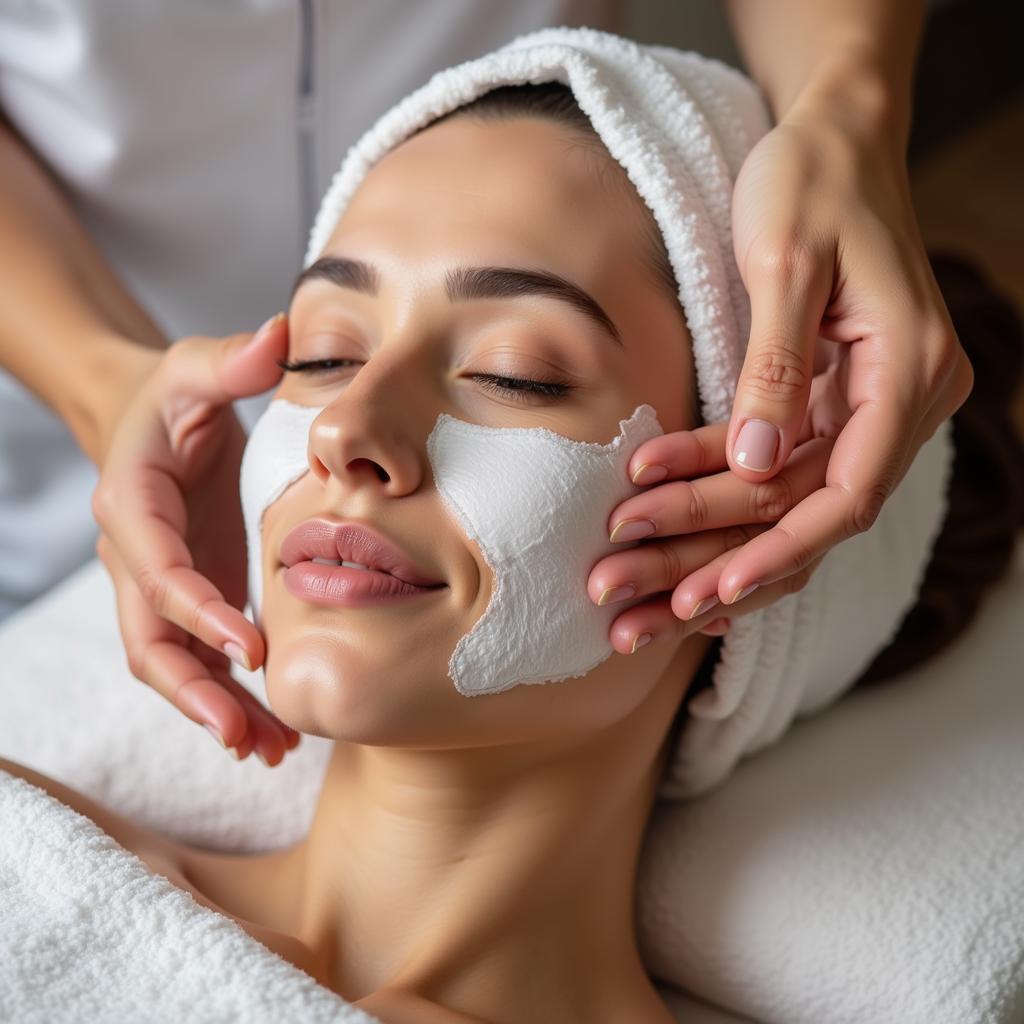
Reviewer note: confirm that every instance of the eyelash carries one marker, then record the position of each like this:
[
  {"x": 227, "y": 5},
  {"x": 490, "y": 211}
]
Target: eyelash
[{"x": 513, "y": 387}]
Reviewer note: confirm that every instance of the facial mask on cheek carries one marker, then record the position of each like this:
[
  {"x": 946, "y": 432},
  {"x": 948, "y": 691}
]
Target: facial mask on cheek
[
  {"x": 535, "y": 502},
  {"x": 275, "y": 455}
]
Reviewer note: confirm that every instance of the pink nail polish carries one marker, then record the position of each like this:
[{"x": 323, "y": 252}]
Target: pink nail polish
[
  {"x": 214, "y": 732},
  {"x": 631, "y": 529},
  {"x": 237, "y": 655},
  {"x": 756, "y": 445},
  {"x": 265, "y": 328},
  {"x": 613, "y": 594},
  {"x": 745, "y": 592},
  {"x": 649, "y": 473},
  {"x": 643, "y": 638},
  {"x": 702, "y": 606}
]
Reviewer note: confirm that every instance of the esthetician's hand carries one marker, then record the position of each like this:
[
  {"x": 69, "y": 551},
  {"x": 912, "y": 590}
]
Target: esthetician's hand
[
  {"x": 850, "y": 340},
  {"x": 173, "y": 537},
  {"x": 827, "y": 245},
  {"x": 695, "y": 517}
]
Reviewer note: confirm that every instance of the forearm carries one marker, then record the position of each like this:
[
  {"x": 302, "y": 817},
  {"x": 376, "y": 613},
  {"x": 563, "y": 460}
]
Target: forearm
[
  {"x": 70, "y": 332},
  {"x": 860, "y": 52}
]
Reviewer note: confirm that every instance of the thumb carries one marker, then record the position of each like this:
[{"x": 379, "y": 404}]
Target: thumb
[
  {"x": 237, "y": 366},
  {"x": 248, "y": 366},
  {"x": 775, "y": 381}
]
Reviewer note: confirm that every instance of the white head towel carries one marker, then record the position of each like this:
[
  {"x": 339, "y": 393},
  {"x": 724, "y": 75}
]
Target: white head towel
[{"x": 681, "y": 126}]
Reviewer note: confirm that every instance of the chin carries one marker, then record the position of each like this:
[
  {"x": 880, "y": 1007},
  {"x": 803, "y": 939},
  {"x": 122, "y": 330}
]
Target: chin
[{"x": 322, "y": 686}]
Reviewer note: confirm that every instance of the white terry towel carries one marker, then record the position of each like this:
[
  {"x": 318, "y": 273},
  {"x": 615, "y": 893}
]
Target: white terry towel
[
  {"x": 89, "y": 933},
  {"x": 681, "y": 126}
]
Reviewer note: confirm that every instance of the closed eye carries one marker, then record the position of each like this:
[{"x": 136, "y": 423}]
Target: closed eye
[{"x": 513, "y": 387}]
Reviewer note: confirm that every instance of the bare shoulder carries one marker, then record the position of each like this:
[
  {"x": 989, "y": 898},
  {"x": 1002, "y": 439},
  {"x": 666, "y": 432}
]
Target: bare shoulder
[{"x": 155, "y": 850}]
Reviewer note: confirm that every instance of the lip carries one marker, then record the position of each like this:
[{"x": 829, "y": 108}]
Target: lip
[{"x": 390, "y": 568}]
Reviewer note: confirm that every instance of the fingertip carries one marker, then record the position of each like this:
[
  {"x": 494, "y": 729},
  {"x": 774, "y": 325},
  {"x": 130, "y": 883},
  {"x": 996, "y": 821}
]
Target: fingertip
[
  {"x": 757, "y": 446},
  {"x": 205, "y": 701},
  {"x": 241, "y": 750},
  {"x": 271, "y": 741},
  {"x": 649, "y": 473},
  {"x": 234, "y": 730},
  {"x": 266, "y": 330},
  {"x": 740, "y": 593},
  {"x": 250, "y": 362}
]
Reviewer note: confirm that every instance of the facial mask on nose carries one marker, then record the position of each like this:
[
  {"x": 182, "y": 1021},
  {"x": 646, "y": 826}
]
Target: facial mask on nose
[{"x": 537, "y": 504}]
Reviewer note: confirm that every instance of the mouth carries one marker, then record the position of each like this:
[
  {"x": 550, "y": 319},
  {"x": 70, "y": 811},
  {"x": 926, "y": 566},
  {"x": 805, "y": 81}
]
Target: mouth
[{"x": 341, "y": 549}]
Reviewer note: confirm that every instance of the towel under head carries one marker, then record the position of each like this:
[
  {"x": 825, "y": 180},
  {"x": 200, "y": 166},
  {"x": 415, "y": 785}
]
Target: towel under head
[{"x": 681, "y": 126}]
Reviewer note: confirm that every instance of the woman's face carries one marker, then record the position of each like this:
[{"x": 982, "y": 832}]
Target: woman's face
[{"x": 519, "y": 194}]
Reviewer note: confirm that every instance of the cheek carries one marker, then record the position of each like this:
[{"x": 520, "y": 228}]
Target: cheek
[
  {"x": 273, "y": 459},
  {"x": 537, "y": 504}
]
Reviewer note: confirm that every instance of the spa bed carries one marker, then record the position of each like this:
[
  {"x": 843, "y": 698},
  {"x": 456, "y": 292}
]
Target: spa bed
[{"x": 868, "y": 868}]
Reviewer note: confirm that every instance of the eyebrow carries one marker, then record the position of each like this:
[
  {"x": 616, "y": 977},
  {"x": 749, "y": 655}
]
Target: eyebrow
[{"x": 463, "y": 284}]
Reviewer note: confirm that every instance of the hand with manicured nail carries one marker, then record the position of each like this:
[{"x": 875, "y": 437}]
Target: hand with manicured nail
[
  {"x": 172, "y": 535},
  {"x": 852, "y": 363},
  {"x": 829, "y": 251},
  {"x": 693, "y": 520}
]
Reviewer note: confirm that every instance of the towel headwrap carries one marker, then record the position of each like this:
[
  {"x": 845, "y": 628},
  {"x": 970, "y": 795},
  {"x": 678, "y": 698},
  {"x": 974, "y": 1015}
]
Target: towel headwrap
[{"x": 681, "y": 126}]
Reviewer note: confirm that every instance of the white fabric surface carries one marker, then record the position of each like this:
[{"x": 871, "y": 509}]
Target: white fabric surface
[
  {"x": 867, "y": 870},
  {"x": 89, "y": 933},
  {"x": 193, "y": 140},
  {"x": 681, "y": 125}
]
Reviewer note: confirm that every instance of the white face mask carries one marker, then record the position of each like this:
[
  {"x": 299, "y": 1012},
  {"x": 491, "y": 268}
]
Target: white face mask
[{"x": 535, "y": 502}]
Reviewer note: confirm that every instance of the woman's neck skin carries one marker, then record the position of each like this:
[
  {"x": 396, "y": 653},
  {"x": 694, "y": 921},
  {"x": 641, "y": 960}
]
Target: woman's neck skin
[
  {"x": 498, "y": 887},
  {"x": 459, "y": 875}
]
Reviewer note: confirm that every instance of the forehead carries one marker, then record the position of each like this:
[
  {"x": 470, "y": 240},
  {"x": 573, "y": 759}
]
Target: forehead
[{"x": 489, "y": 191}]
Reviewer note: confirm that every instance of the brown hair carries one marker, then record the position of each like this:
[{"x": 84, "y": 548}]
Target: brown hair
[{"x": 986, "y": 496}]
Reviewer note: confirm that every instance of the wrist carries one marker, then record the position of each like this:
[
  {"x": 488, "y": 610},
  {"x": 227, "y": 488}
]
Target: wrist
[
  {"x": 854, "y": 91},
  {"x": 111, "y": 377}
]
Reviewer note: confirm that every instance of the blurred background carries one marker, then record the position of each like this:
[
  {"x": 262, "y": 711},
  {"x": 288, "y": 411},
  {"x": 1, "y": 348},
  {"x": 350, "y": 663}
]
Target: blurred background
[{"x": 966, "y": 150}]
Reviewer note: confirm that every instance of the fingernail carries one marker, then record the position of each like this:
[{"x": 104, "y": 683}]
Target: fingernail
[
  {"x": 740, "y": 594},
  {"x": 756, "y": 444},
  {"x": 237, "y": 655},
  {"x": 233, "y": 751},
  {"x": 643, "y": 638},
  {"x": 632, "y": 529},
  {"x": 262, "y": 758},
  {"x": 702, "y": 606},
  {"x": 612, "y": 594},
  {"x": 215, "y": 733},
  {"x": 650, "y": 473},
  {"x": 265, "y": 328}
]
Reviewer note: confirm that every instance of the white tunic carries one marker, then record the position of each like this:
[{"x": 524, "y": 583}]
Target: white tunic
[{"x": 196, "y": 139}]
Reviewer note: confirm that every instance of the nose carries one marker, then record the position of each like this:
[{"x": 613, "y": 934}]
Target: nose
[{"x": 369, "y": 436}]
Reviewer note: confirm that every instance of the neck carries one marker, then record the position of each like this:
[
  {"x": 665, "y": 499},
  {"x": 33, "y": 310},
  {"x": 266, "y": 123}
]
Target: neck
[{"x": 459, "y": 874}]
